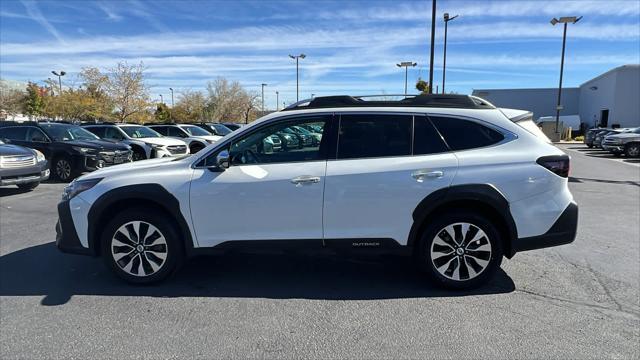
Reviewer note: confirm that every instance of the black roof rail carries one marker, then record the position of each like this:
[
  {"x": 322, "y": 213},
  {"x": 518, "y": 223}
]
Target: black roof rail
[{"x": 422, "y": 100}]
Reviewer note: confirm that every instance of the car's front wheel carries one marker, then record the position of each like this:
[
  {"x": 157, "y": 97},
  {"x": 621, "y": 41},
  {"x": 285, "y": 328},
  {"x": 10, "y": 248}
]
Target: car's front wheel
[
  {"x": 63, "y": 169},
  {"x": 142, "y": 246},
  {"x": 460, "y": 250}
]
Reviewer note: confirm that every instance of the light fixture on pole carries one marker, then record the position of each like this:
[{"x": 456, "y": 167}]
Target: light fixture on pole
[
  {"x": 297, "y": 58},
  {"x": 277, "y": 100},
  {"x": 161, "y": 99},
  {"x": 563, "y": 20},
  {"x": 263, "y": 85},
  {"x": 433, "y": 39},
  {"x": 444, "y": 62},
  {"x": 59, "y": 75},
  {"x": 405, "y": 65}
]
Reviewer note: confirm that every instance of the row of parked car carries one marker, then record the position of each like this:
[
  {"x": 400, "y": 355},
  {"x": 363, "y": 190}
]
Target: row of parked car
[
  {"x": 617, "y": 141},
  {"x": 32, "y": 151}
]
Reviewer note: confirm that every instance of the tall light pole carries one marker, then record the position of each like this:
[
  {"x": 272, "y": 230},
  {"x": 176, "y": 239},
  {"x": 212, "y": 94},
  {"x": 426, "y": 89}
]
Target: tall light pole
[
  {"x": 444, "y": 62},
  {"x": 564, "y": 20},
  {"x": 59, "y": 75},
  {"x": 171, "y": 96},
  {"x": 297, "y": 58},
  {"x": 161, "y": 99},
  {"x": 263, "y": 85},
  {"x": 433, "y": 38},
  {"x": 277, "y": 100},
  {"x": 405, "y": 65}
]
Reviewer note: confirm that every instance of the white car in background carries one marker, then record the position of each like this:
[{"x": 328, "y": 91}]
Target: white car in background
[{"x": 196, "y": 137}]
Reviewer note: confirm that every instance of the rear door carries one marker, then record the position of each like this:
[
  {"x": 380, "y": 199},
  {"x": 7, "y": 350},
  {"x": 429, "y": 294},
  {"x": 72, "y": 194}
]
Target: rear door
[{"x": 384, "y": 166}]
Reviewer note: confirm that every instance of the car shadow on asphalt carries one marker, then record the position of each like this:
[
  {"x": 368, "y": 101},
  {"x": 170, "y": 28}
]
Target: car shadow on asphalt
[
  {"x": 44, "y": 271},
  {"x": 599, "y": 153}
]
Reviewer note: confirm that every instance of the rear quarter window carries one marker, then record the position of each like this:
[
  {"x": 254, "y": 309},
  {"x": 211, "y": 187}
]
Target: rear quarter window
[
  {"x": 465, "y": 134},
  {"x": 14, "y": 133}
]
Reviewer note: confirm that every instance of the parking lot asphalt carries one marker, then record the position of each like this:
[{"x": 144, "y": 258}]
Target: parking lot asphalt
[{"x": 576, "y": 301}]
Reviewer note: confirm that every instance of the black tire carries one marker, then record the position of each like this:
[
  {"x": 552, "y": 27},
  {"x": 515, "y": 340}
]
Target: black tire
[
  {"x": 63, "y": 169},
  {"x": 480, "y": 266},
  {"x": 138, "y": 154},
  {"x": 116, "y": 240},
  {"x": 632, "y": 150},
  {"x": 28, "y": 186},
  {"x": 589, "y": 146},
  {"x": 195, "y": 148}
]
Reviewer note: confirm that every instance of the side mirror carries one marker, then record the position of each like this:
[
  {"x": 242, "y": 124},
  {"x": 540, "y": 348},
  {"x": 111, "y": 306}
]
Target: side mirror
[{"x": 222, "y": 161}]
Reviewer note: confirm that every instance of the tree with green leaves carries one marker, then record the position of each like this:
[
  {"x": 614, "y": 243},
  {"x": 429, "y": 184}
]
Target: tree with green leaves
[
  {"x": 162, "y": 113},
  {"x": 423, "y": 86},
  {"x": 34, "y": 102}
]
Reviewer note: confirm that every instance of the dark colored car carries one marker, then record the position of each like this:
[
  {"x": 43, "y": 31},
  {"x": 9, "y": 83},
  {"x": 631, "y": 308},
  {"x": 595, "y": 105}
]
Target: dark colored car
[
  {"x": 232, "y": 126},
  {"x": 597, "y": 140},
  {"x": 215, "y": 128},
  {"x": 22, "y": 166},
  {"x": 69, "y": 148},
  {"x": 590, "y": 136}
]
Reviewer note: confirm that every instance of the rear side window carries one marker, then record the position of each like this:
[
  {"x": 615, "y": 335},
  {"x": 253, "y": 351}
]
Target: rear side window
[
  {"x": 14, "y": 133},
  {"x": 99, "y": 131},
  {"x": 464, "y": 134},
  {"x": 367, "y": 136},
  {"x": 161, "y": 129},
  {"x": 426, "y": 139}
]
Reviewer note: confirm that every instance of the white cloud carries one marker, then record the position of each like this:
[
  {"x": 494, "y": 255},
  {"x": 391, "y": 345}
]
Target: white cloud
[{"x": 36, "y": 15}]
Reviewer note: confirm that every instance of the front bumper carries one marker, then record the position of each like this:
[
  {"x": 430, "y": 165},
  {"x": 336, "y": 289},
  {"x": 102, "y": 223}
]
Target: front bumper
[
  {"x": 93, "y": 162},
  {"x": 562, "y": 232},
  {"x": 616, "y": 148},
  {"x": 67, "y": 239},
  {"x": 35, "y": 173}
]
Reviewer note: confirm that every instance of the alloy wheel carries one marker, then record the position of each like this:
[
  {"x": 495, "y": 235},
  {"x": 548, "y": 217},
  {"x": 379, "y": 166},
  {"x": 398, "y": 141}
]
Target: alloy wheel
[
  {"x": 633, "y": 150},
  {"x": 139, "y": 248},
  {"x": 63, "y": 169},
  {"x": 461, "y": 251}
]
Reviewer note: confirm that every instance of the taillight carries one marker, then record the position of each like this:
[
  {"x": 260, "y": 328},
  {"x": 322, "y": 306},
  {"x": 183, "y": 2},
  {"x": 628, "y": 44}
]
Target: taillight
[{"x": 557, "y": 164}]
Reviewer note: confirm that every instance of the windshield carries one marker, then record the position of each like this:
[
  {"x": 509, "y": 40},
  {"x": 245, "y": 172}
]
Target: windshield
[
  {"x": 195, "y": 130},
  {"x": 140, "y": 132},
  {"x": 221, "y": 129},
  {"x": 63, "y": 132}
]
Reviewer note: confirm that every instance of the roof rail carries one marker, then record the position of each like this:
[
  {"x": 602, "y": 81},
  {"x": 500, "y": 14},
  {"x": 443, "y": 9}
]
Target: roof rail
[{"x": 421, "y": 100}]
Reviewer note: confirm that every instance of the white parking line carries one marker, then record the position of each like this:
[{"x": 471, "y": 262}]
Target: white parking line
[{"x": 635, "y": 162}]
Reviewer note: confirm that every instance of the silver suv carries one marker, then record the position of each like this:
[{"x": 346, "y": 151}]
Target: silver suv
[{"x": 626, "y": 142}]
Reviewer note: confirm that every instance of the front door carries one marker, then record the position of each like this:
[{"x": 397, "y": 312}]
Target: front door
[{"x": 268, "y": 192}]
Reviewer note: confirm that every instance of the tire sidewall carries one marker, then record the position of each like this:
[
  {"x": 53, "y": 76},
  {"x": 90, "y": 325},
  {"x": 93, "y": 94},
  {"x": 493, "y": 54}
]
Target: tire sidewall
[
  {"x": 161, "y": 222},
  {"x": 55, "y": 168},
  {"x": 628, "y": 148},
  {"x": 427, "y": 238}
]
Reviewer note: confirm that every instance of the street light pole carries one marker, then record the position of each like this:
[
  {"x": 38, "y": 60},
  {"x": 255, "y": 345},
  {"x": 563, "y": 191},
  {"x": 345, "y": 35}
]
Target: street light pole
[
  {"x": 405, "y": 65},
  {"x": 263, "y": 85},
  {"x": 277, "y": 100},
  {"x": 161, "y": 99},
  {"x": 297, "y": 57},
  {"x": 59, "y": 75},
  {"x": 564, "y": 20},
  {"x": 171, "y": 97},
  {"x": 433, "y": 38},
  {"x": 444, "y": 63}
]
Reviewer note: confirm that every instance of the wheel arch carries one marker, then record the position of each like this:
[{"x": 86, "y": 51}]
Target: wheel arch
[
  {"x": 141, "y": 148},
  {"x": 143, "y": 195},
  {"x": 483, "y": 198}
]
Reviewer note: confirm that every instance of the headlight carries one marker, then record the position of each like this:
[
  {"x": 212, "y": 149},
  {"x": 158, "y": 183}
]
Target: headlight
[
  {"x": 39, "y": 156},
  {"x": 82, "y": 149},
  {"x": 156, "y": 146},
  {"x": 78, "y": 186}
]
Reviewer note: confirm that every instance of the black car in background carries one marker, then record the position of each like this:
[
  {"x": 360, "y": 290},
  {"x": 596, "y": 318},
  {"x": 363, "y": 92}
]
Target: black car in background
[
  {"x": 214, "y": 128},
  {"x": 232, "y": 126},
  {"x": 69, "y": 148},
  {"x": 22, "y": 166}
]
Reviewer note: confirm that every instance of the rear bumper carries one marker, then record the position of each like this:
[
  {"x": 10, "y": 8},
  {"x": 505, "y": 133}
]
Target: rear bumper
[
  {"x": 67, "y": 239},
  {"x": 562, "y": 232}
]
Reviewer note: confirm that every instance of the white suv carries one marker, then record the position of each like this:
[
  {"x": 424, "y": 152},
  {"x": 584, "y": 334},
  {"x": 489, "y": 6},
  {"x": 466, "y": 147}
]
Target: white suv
[{"x": 448, "y": 178}]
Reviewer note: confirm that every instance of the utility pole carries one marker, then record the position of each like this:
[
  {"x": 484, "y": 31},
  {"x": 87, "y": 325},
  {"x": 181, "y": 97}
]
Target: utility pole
[
  {"x": 405, "y": 65},
  {"x": 263, "y": 85},
  {"x": 171, "y": 97},
  {"x": 59, "y": 75},
  {"x": 444, "y": 62},
  {"x": 433, "y": 38},
  {"x": 297, "y": 57},
  {"x": 277, "y": 101},
  {"x": 564, "y": 20}
]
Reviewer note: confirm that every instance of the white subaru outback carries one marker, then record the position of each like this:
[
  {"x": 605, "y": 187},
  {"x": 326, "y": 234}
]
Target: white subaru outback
[{"x": 450, "y": 179}]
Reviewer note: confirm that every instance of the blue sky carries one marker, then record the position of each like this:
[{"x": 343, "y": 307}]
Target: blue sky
[{"x": 351, "y": 46}]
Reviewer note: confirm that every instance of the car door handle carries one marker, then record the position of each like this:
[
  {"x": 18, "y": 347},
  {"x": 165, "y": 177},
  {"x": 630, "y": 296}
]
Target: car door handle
[
  {"x": 305, "y": 179},
  {"x": 420, "y": 175}
]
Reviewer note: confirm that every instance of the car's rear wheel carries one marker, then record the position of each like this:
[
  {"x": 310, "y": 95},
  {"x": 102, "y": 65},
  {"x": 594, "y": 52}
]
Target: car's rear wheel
[
  {"x": 28, "y": 186},
  {"x": 460, "y": 250},
  {"x": 632, "y": 150},
  {"x": 142, "y": 246},
  {"x": 63, "y": 169}
]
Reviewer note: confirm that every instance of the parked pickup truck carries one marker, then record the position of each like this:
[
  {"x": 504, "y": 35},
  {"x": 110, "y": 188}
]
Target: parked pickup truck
[{"x": 627, "y": 143}]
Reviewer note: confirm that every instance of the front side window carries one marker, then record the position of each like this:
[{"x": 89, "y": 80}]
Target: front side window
[
  {"x": 113, "y": 133},
  {"x": 369, "y": 135},
  {"x": 36, "y": 135},
  {"x": 195, "y": 130},
  {"x": 140, "y": 132},
  {"x": 97, "y": 130},
  {"x": 220, "y": 129},
  {"x": 465, "y": 134},
  {"x": 277, "y": 143}
]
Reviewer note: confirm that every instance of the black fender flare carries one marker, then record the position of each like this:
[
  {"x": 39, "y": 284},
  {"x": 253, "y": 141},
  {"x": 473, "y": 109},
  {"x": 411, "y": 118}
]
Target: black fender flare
[
  {"x": 485, "y": 194},
  {"x": 150, "y": 193}
]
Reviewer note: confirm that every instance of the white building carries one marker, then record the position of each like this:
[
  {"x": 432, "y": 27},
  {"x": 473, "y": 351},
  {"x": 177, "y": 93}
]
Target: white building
[{"x": 609, "y": 100}]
